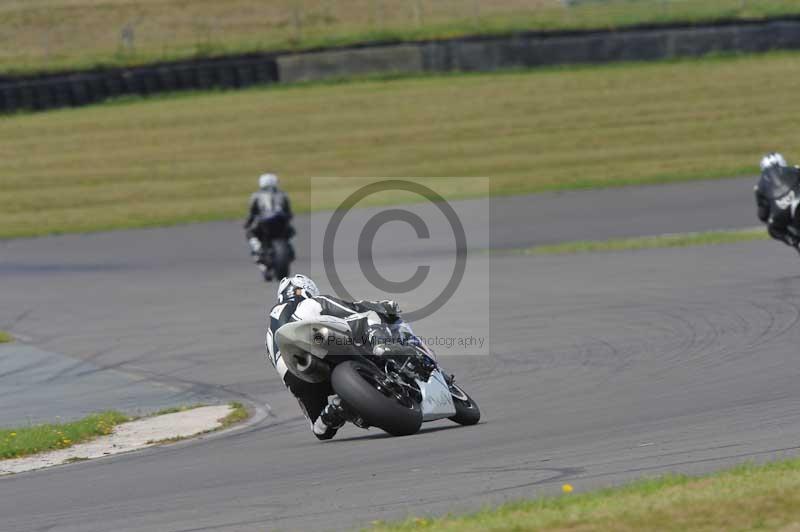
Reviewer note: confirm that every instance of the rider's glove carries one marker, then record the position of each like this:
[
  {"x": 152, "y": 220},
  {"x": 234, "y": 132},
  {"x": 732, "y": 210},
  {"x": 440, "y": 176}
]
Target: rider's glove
[{"x": 385, "y": 306}]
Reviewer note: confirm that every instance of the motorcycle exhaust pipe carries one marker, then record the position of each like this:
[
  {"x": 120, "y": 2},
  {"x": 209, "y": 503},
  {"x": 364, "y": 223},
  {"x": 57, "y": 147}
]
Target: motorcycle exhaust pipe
[{"x": 312, "y": 366}]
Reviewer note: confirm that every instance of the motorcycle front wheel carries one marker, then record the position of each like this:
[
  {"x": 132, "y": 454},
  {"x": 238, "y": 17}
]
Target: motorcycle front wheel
[
  {"x": 378, "y": 400},
  {"x": 467, "y": 411}
]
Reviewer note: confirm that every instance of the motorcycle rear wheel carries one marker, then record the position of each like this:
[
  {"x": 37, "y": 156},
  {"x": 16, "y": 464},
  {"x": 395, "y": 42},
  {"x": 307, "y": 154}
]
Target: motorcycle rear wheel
[
  {"x": 280, "y": 258},
  {"x": 380, "y": 402}
]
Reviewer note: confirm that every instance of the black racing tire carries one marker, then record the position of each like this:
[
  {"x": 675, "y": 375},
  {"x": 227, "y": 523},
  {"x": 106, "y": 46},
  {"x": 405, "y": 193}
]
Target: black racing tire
[
  {"x": 467, "y": 411},
  {"x": 357, "y": 385},
  {"x": 280, "y": 258}
]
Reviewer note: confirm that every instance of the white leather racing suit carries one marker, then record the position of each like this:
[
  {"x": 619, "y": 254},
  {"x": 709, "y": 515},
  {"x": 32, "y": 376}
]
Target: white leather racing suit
[{"x": 313, "y": 398}]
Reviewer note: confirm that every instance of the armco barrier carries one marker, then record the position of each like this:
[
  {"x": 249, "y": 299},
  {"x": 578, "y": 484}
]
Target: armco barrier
[
  {"x": 538, "y": 49},
  {"x": 465, "y": 54},
  {"x": 400, "y": 58}
]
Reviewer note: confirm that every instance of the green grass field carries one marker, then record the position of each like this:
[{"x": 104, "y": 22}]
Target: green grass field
[
  {"x": 196, "y": 157},
  {"x": 238, "y": 414},
  {"x": 40, "y": 35},
  {"x": 5, "y": 337},
  {"x": 748, "y": 497},
  {"x": 23, "y": 441},
  {"x": 676, "y": 240}
]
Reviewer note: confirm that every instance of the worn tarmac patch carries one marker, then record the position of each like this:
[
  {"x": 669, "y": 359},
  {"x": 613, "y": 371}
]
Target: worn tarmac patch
[{"x": 40, "y": 386}]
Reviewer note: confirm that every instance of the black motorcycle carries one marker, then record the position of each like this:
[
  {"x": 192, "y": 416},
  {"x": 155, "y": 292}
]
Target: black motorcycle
[
  {"x": 778, "y": 198},
  {"x": 274, "y": 253}
]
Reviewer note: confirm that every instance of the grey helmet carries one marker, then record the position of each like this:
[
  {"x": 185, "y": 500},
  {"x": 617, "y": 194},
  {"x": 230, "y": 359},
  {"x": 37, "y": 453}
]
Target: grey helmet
[
  {"x": 267, "y": 181},
  {"x": 773, "y": 159},
  {"x": 289, "y": 285}
]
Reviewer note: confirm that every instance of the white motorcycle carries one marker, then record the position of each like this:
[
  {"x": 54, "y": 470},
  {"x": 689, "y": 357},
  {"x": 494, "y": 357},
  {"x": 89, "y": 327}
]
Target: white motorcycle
[{"x": 395, "y": 387}]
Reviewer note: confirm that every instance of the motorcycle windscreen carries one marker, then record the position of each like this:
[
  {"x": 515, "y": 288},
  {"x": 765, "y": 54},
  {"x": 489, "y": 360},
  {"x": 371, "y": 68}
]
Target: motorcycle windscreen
[{"x": 437, "y": 401}]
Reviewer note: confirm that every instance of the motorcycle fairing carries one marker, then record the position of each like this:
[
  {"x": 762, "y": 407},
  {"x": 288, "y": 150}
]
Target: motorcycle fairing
[
  {"x": 298, "y": 338},
  {"x": 437, "y": 401}
]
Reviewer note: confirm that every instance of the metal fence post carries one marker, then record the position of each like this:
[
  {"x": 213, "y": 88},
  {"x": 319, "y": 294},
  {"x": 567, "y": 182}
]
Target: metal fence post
[
  {"x": 127, "y": 37},
  {"x": 476, "y": 11},
  {"x": 418, "y": 15},
  {"x": 297, "y": 21},
  {"x": 378, "y": 13},
  {"x": 329, "y": 10}
]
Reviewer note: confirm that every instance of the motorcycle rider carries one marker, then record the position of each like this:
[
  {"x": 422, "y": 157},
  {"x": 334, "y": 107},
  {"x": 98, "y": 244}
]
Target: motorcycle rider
[
  {"x": 776, "y": 173},
  {"x": 298, "y": 298},
  {"x": 268, "y": 201}
]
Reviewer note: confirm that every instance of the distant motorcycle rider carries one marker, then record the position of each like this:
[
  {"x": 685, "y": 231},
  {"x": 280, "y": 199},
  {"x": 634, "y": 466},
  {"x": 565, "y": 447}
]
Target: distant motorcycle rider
[
  {"x": 298, "y": 298},
  {"x": 776, "y": 198},
  {"x": 267, "y": 202}
]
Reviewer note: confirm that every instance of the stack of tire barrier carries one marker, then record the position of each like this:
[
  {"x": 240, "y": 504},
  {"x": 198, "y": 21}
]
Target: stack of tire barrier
[
  {"x": 524, "y": 50},
  {"x": 82, "y": 88}
]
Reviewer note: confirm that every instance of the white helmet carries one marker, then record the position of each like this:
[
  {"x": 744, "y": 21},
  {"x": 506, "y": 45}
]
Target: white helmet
[
  {"x": 268, "y": 181},
  {"x": 772, "y": 159},
  {"x": 288, "y": 286}
]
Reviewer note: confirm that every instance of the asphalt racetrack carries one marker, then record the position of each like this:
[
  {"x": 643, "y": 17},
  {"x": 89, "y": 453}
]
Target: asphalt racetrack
[{"x": 603, "y": 368}]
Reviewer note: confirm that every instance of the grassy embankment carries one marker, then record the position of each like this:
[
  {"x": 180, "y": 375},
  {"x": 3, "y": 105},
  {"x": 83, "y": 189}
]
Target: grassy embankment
[
  {"x": 188, "y": 158},
  {"x": 56, "y": 34},
  {"x": 677, "y": 240},
  {"x": 24, "y": 441},
  {"x": 748, "y": 497}
]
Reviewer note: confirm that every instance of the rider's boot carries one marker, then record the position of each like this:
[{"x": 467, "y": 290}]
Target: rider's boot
[
  {"x": 330, "y": 420},
  {"x": 265, "y": 273},
  {"x": 255, "y": 248}
]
